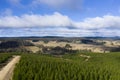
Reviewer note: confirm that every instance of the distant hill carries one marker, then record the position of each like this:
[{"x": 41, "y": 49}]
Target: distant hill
[{"x": 27, "y": 37}]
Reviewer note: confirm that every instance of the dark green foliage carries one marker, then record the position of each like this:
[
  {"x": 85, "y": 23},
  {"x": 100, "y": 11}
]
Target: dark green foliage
[
  {"x": 9, "y": 44},
  {"x": 14, "y": 44},
  {"x": 57, "y": 50},
  {"x": 90, "y": 41},
  {"x": 115, "y": 49},
  {"x": 4, "y": 57},
  {"x": 68, "y": 67},
  {"x": 87, "y": 41},
  {"x": 68, "y": 46},
  {"x": 35, "y": 40}
]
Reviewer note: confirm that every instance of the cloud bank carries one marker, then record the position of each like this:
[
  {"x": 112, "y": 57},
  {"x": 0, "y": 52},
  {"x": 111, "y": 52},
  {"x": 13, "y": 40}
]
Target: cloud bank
[
  {"x": 59, "y": 20},
  {"x": 26, "y": 20},
  {"x": 59, "y": 25}
]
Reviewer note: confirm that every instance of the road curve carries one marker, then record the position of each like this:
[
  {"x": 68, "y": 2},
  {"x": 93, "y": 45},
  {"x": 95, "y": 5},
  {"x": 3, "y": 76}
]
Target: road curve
[{"x": 7, "y": 71}]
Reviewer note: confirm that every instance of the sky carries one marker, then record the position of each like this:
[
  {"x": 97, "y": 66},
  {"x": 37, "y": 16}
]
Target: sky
[{"x": 68, "y": 18}]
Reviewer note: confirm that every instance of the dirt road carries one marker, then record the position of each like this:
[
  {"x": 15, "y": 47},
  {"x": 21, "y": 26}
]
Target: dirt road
[
  {"x": 7, "y": 72},
  {"x": 87, "y": 57}
]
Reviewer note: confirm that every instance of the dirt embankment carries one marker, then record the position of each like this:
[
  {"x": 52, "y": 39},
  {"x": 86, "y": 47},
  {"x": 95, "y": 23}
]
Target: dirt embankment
[{"x": 7, "y": 71}]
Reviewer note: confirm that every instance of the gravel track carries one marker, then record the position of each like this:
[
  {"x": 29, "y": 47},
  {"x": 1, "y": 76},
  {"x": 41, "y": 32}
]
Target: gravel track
[{"x": 7, "y": 71}]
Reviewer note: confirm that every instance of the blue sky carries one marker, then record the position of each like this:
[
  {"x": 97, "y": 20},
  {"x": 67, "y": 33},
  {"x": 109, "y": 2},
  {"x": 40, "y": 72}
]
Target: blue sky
[{"x": 71, "y": 18}]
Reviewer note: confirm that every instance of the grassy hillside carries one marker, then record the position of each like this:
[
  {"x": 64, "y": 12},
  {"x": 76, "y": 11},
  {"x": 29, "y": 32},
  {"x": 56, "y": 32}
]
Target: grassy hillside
[{"x": 79, "y": 66}]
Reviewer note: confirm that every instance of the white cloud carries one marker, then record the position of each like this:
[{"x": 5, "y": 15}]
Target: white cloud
[
  {"x": 107, "y": 21},
  {"x": 59, "y": 20},
  {"x": 35, "y": 21},
  {"x": 66, "y": 4},
  {"x": 7, "y": 12},
  {"x": 57, "y": 32}
]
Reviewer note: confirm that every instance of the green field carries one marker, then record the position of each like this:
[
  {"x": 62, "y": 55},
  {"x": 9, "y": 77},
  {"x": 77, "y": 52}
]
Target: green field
[{"x": 68, "y": 67}]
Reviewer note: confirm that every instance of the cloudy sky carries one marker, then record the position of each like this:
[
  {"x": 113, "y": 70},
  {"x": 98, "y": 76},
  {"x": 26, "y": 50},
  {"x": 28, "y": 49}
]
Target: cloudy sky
[{"x": 70, "y": 18}]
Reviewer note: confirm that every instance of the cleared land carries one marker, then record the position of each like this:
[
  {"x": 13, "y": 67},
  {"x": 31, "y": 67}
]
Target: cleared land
[
  {"x": 7, "y": 71},
  {"x": 75, "y": 46},
  {"x": 34, "y": 49}
]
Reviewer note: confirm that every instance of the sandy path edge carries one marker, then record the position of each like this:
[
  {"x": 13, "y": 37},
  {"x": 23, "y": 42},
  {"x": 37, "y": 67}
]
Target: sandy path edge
[{"x": 7, "y": 72}]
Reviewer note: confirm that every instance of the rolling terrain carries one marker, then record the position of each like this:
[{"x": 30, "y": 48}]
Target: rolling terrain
[
  {"x": 36, "y": 44},
  {"x": 59, "y": 58}
]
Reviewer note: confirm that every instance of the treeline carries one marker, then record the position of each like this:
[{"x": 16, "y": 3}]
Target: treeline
[
  {"x": 14, "y": 45},
  {"x": 115, "y": 49},
  {"x": 56, "y": 50}
]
